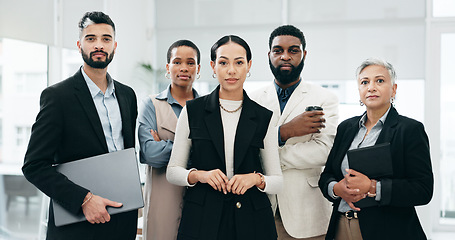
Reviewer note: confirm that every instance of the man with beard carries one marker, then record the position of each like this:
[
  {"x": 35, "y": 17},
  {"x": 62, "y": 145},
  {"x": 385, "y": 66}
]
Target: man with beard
[
  {"x": 85, "y": 115},
  {"x": 305, "y": 137}
]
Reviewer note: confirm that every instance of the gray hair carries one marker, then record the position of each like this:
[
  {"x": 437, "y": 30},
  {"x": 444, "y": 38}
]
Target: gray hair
[{"x": 377, "y": 62}]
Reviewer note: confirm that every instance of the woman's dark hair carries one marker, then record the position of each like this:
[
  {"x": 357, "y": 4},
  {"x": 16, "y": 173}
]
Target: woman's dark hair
[
  {"x": 225, "y": 40},
  {"x": 180, "y": 43}
]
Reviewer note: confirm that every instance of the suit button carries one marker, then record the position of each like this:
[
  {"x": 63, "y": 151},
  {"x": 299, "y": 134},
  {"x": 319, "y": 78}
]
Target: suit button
[{"x": 238, "y": 205}]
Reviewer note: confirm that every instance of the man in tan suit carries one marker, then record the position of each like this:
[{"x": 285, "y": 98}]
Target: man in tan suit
[{"x": 305, "y": 137}]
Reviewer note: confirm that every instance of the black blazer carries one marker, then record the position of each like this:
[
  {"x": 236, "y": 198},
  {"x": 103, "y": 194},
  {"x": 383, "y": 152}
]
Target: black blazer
[
  {"x": 411, "y": 184},
  {"x": 203, "y": 206},
  {"x": 68, "y": 128}
]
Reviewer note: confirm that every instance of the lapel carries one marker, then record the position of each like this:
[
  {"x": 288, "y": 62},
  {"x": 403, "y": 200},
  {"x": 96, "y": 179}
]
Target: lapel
[
  {"x": 245, "y": 131},
  {"x": 349, "y": 133},
  {"x": 167, "y": 119},
  {"x": 214, "y": 124},
  {"x": 388, "y": 130},
  {"x": 296, "y": 98},
  {"x": 125, "y": 112},
  {"x": 386, "y": 135},
  {"x": 85, "y": 99},
  {"x": 171, "y": 124},
  {"x": 271, "y": 99}
]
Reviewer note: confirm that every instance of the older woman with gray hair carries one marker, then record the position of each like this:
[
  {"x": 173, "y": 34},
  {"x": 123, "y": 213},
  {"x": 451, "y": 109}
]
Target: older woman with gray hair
[{"x": 372, "y": 207}]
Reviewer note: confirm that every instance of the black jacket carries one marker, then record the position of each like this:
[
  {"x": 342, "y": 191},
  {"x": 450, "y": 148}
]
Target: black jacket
[
  {"x": 202, "y": 210},
  {"x": 68, "y": 128},
  {"x": 411, "y": 184}
]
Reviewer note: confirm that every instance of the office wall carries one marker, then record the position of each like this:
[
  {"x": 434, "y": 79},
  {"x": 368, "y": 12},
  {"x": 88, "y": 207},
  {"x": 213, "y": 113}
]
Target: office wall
[{"x": 340, "y": 34}]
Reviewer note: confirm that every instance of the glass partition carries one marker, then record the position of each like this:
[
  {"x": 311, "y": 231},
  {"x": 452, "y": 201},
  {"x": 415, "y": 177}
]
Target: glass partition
[
  {"x": 447, "y": 160},
  {"x": 23, "y": 75}
]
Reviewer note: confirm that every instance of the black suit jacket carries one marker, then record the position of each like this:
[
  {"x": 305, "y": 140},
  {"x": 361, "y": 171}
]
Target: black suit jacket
[
  {"x": 68, "y": 128},
  {"x": 205, "y": 208},
  {"x": 411, "y": 184}
]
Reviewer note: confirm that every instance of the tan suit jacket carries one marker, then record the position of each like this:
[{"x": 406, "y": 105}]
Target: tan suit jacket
[
  {"x": 163, "y": 200},
  {"x": 304, "y": 211}
]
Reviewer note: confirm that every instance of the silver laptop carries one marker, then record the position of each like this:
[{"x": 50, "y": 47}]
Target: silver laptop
[{"x": 114, "y": 176}]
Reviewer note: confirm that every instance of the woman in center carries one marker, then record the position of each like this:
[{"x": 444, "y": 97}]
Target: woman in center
[{"x": 226, "y": 154}]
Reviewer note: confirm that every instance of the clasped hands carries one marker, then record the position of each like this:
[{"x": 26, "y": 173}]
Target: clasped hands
[
  {"x": 95, "y": 209},
  {"x": 238, "y": 184},
  {"x": 353, "y": 187}
]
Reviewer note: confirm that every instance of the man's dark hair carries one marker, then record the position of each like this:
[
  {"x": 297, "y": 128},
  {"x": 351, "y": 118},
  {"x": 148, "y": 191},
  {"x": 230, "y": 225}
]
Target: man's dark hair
[
  {"x": 180, "y": 43},
  {"x": 225, "y": 40},
  {"x": 288, "y": 30},
  {"x": 90, "y": 18}
]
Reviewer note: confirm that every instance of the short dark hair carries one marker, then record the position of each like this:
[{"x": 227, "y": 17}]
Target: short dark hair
[
  {"x": 90, "y": 18},
  {"x": 289, "y": 30},
  {"x": 180, "y": 43},
  {"x": 230, "y": 38}
]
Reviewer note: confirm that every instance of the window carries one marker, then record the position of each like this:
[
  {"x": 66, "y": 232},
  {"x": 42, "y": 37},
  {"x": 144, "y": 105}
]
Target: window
[
  {"x": 447, "y": 160},
  {"x": 27, "y": 82},
  {"x": 443, "y": 8},
  {"x": 22, "y": 135},
  {"x": 23, "y": 75},
  {"x": 71, "y": 62}
]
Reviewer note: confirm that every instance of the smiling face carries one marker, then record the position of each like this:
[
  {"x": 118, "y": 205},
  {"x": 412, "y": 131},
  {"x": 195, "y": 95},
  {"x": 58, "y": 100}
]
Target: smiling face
[
  {"x": 231, "y": 67},
  {"x": 376, "y": 88},
  {"x": 97, "y": 45},
  {"x": 183, "y": 67}
]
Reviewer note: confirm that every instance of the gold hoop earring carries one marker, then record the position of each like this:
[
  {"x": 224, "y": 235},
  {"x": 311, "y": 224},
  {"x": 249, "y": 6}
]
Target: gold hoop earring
[
  {"x": 167, "y": 75},
  {"x": 248, "y": 75},
  {"x": 213, "y": 75},
  {"x": 361, "y": 103},
  {"x": 198, "y": 76}
]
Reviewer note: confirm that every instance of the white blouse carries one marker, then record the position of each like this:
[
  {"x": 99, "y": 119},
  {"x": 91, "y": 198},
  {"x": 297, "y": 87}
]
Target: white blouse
[{"x": 178, "y": 174}]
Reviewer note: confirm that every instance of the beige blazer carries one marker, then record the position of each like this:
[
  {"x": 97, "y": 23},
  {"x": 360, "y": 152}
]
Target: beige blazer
[
  {"x": 303, "y": 209},
  {"x": 163, "y": 200}
]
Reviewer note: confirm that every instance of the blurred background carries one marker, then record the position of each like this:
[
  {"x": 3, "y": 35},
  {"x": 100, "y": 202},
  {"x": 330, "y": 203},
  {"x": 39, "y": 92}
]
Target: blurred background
[{"x": 38, "y": 49}]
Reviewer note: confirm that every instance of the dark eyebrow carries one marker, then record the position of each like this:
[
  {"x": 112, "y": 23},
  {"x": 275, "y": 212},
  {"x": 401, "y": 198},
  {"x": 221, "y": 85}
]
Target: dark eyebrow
[
  {"x": 93, "y": 35},
  {"x": 234, "y": 58},
  {"x": 277, "y": 46}
]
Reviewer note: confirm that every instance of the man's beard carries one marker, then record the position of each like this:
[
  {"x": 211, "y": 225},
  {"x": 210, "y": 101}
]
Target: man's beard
[
  {"x": 286, "y": 77},
  {"x": 97, "y": 64}
]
